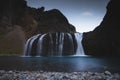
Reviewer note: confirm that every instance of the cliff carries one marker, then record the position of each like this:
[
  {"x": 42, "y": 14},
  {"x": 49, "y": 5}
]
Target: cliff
[
  {"x": 18, "y": 22},
  {"x": 105, "y": 39}
]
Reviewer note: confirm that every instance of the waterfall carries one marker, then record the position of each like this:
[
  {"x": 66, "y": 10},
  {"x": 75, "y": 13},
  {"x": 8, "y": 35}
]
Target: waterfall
[
  {"x": 28, "y": 45},
  {"x": 54, "y": 44},
  {"x": 80, "y": 51},
  {"x": 26, "y": 48},
  {"x": 39, "y": 45},
  {"x": 71, "y": 40},
  {"x": 60, "y": 44}
]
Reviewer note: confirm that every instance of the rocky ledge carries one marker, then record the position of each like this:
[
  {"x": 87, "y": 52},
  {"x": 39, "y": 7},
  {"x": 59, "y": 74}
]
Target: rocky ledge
[{"x": 40, "y": 75}]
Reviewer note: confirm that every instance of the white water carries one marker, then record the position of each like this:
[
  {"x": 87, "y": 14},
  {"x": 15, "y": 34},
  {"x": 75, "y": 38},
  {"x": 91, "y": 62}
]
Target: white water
[
  {"x": 51, "y": 43},
  {"x": 61, "y": 42},
  {"x": 71, "y": 39},
  {"x": 56, "y": 47},
  {"x": 28, "y": 45},
  {"x": 80, "y": 51},
  {"x": 39, "y": 46}
]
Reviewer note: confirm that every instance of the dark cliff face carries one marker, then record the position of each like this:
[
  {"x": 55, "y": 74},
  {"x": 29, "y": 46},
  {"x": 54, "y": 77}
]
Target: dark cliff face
[
  {"x": 54, "y": 21},
  {"x": 105, "y": 39},
  {"x": 11, "y": 12},
  {"x": 18, "y": 22},
  {"x": 32, "y": 20}
]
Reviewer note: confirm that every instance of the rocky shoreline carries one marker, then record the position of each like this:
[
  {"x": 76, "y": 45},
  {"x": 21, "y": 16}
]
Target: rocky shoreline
[{"x": 41, "y": 75}]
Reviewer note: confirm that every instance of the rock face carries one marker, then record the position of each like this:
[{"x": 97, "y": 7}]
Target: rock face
[
  {"x": 105, "y": 39},
  {"x": 54, "y": 21},
  {"x": 31, "y": 21}
]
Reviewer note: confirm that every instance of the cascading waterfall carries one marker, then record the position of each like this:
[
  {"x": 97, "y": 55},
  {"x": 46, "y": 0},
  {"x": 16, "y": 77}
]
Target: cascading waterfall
[
  {"x": 39, "y": 45},
  {"x": 51, "y": 47},
  {"x": 80, "y": 51},
  {"x": 71, "y": 40},
  {"x": 60, "y": 44},
  {"x": 54, "y": 44},
  {"x": 28, "y": 45}
]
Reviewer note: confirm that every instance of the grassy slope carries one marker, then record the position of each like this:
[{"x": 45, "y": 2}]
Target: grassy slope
[{"x": 12, "y": 43}]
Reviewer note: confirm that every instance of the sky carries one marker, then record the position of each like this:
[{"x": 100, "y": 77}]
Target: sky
[{"x": 85, "y": 15}]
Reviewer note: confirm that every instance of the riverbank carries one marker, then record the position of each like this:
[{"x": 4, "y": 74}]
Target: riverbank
[{"x": 40, "y": 75}]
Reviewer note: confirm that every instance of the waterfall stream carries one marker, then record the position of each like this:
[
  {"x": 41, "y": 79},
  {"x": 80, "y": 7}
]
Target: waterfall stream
[
  {"x": 54, "y": 44},
  {"x": 39, "y": 45},
  {"x": 80, "y": 51}
]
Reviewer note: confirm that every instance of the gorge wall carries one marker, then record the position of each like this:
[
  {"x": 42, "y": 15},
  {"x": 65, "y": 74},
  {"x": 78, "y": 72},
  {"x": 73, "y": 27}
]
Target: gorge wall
[{"x": 105, "y": 39}]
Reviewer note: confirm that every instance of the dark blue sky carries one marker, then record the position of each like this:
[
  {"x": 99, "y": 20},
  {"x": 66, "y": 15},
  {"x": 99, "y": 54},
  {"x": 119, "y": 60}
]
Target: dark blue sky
[{"x": 85, "y": 15}]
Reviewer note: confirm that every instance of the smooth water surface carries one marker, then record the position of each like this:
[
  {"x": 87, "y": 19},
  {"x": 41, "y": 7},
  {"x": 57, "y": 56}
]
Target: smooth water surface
[{"x": 61, "y": 64}]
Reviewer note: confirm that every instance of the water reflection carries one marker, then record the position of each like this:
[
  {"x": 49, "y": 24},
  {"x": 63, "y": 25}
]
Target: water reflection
[{"x": 62, "y": 64}]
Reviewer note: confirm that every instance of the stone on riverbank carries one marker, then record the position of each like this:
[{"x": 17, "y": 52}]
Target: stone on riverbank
[{"x": 40, "y": 75}]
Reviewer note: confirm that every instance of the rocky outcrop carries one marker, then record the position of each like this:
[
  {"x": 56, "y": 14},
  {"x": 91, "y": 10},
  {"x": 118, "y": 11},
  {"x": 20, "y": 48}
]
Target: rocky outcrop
[
  {"x": 30, "y": 20},
  {"x": 105, "y": 39},
  {"x": 54, "y": 21}
]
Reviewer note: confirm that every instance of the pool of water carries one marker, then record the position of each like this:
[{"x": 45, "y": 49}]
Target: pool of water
[{"x": 61, "y": 64}]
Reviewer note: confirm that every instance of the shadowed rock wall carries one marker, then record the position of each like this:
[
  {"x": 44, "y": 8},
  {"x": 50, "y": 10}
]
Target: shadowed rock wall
[{"x": 105, "y": 39}]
